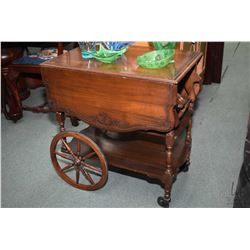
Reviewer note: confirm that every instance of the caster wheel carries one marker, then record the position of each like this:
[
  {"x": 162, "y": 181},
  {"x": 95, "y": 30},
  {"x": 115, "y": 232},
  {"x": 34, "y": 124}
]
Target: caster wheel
[
  {"x": 163, "y": 202},
  {"x": 74, "y": 121},
  {"x": 174, "y": 179},
  {"x": 185, "y": 168},
  {"x": 81, "y": 164}
]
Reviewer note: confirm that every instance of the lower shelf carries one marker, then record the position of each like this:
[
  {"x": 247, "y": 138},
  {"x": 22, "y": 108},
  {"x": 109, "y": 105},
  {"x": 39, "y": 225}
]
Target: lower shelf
[{"x": 139, "y": 152}]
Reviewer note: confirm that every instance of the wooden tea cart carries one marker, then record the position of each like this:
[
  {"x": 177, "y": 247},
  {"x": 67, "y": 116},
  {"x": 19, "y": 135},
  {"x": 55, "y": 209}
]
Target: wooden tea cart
[{"x": 139, "y": 119}]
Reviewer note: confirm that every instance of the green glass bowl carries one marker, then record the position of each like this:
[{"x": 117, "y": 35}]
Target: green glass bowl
[
  {"x": 164, "y": 45},
  {"x": 108, "y": 56},
  {"x": 156, "y": 59}
]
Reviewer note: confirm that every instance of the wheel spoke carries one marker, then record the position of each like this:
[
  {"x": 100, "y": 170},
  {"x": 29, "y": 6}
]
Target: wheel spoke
[
  {"x": 78, "y": 147},
  {"x": 68, "y": 148},
  {"x": 67, "y": 167},
  {"x": 63, "y": 155},
  {"x": 95, "y": 169},
  {"x": 89, "y": 155},
  {"x": 87, "y": 176},
  {"x": 77, "y": 175}
]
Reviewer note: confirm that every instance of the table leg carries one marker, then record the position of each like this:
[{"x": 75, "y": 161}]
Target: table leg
[
  {"x": 169, "y": 174},
  {"x": 12, "y": 106},
  {"x": 189, "y": 138},
  {"x": 188, "y": 142},
  {"x": 60, "y": 117},
  {"x": 74, "y": 121}
]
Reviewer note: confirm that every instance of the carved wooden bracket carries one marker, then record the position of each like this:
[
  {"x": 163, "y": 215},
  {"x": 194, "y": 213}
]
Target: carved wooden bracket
[{"x": 103, "y": 119}]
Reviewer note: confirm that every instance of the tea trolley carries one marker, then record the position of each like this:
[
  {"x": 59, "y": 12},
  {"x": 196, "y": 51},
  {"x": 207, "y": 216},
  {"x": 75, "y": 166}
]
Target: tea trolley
[{"x": 139, "y": 119}]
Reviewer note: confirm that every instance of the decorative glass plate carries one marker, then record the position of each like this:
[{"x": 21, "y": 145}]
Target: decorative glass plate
[
  {"x": 107, "y": 55},
  {"x": 156, "y": 59},
  {"x": 106, "y": 52}
]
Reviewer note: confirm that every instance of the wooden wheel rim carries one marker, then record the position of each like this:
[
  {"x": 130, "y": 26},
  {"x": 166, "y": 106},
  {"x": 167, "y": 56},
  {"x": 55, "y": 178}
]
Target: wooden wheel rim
[{"x": 93, "y": 146}]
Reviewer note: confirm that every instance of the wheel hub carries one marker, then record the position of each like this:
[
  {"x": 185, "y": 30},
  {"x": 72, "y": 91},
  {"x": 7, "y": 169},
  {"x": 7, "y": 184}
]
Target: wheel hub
[{"x": 78, "y": 162}]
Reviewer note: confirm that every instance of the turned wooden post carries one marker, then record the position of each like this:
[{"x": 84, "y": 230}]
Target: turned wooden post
[
  {"x": 192, "y": 96},
  {"x": 169, "y": 148},
  {"x": 168, "y": 175},
  {"x": 189, "y": 139},
  {"x": 60, "y": 117}
]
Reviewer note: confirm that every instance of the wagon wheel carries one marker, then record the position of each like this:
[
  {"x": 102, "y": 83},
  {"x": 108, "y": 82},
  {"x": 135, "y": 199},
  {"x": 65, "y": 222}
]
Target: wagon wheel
[{"x": 79, "y": 162}]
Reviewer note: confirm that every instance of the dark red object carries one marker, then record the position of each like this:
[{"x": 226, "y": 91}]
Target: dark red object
[{"x": 214, "y": 60}]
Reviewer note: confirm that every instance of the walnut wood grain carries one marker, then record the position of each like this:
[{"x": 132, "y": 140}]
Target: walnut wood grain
[
  {"x": 140, "y": 118},
  {"x": 127, "y": 66},
  {"x": 137, "y": 152},
  {"x": 120, "y": 96}
]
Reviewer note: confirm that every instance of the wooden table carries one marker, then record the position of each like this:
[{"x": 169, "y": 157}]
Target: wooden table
[
  {"x": 9, "y": 104},
  {"x": 140, "y": 119}
]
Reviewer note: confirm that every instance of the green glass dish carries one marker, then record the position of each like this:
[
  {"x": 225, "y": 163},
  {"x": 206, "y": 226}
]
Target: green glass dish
[
  {"x": 108, "y": 56},
  {"x": 164, "y": 45},
  {"x": 156, "y": 59}
]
